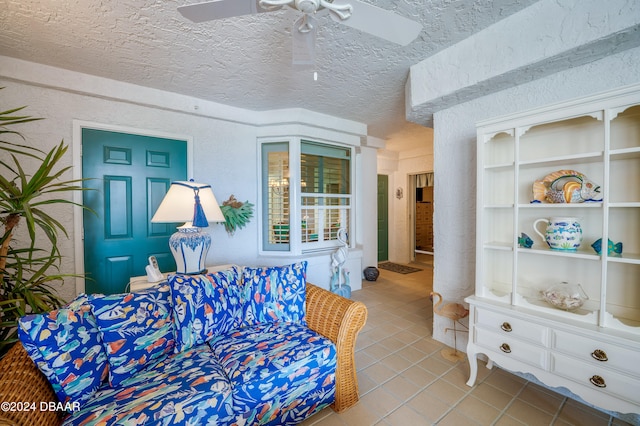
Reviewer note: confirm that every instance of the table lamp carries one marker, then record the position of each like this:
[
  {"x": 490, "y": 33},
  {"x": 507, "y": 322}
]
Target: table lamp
[{"x": 195, "y": 204}]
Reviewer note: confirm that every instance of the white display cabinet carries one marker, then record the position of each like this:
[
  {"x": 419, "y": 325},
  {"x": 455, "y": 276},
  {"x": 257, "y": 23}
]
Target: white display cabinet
[{"x": 599, "y": 137}]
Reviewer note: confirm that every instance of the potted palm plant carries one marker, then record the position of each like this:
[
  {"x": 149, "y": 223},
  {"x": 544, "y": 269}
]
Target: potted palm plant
[{"x": 29, "y": 269}]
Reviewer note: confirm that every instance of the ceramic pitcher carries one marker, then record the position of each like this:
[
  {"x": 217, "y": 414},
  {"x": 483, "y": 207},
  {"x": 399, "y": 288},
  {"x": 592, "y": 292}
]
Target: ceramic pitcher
[{"x": 562, "y": 233}]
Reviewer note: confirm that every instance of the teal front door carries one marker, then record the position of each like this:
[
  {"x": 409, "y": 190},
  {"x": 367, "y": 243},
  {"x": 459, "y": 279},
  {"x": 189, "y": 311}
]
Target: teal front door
[
  {"x": 130, "y": 174},
  {"x": 383, "y": 218}
]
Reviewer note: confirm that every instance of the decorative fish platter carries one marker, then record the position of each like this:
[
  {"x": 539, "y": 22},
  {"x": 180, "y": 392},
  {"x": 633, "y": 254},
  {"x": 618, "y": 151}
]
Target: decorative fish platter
[{"x": 565, "y": 186}]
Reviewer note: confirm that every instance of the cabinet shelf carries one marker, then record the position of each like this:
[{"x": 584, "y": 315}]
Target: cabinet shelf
[
  {"x": 498, "y": 206},
  {"x": 624, "y": 154},
  {"x": 499, "y": 167},
  {"x": 564, "y": 161},
  {"x": 622, "y": 323},
  {"x": 631, "y": 258},
  {"x": 588, "y": 313},
  {"x": 497, "y": 245},
  {"x": 631, "y": 204},
  {"x": 497, "y": 295},
  {"x": 552, "y": 206},
  {"x": 578, "y": 254}
]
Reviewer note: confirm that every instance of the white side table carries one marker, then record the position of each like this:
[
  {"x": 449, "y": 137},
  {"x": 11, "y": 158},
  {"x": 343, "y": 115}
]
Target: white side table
[{"x": 141, "y": 282}]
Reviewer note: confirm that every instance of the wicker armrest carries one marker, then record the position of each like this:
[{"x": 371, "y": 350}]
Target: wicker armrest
[
  {"x": 339, "y": 320},
  {"x": 21, "y": 382}
]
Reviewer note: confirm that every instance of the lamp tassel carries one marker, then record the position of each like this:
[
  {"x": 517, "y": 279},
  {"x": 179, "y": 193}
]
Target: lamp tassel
[{"x": 199, "y": 218}]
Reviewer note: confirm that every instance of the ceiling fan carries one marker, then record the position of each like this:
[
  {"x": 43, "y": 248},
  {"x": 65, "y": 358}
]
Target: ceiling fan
[{"x": 356, "y": 14}]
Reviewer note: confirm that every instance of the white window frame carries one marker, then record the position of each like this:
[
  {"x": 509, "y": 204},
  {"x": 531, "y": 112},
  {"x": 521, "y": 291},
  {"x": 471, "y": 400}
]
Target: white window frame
[{"x": 296, "y": 246}]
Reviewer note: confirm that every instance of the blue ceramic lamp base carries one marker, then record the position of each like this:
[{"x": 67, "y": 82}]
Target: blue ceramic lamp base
[{"x": 189, "y": 247}]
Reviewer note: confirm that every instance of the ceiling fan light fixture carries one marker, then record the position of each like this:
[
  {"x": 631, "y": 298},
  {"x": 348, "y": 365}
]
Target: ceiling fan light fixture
[
  {"x": 305, "y": 24},
  {"x": 304, "y": 33},
  {"x": 356, "y": 14},
  {"x": 272, "y": 4},
  {"x": 307, "y": 6}
]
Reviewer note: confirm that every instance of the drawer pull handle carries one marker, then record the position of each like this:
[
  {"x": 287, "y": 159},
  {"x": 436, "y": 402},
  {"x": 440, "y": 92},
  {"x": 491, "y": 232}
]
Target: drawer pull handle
[
  {"x": 598, "y": 381},
  {"x": 506, "y": 327},
  {"x": 505, "y": 348},
  {"x": 599, "y": 355}
]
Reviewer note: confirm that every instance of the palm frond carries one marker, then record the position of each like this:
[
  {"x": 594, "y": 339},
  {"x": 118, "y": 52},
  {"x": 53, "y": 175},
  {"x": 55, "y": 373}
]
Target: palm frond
[{"x": 29, "y": 274}]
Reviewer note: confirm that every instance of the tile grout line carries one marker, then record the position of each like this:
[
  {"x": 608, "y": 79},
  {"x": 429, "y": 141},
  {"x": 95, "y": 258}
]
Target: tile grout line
[
  {"x": 559, "y": 410},
  {"x": 503, "y": 412},
  {"x": 440, "y": 377}
]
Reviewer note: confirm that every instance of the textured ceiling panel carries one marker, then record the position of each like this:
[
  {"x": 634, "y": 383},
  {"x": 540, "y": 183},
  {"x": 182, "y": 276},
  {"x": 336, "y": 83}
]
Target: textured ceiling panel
[{"x": 243, "y": 61}]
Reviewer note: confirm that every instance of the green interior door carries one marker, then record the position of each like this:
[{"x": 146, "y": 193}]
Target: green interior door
[
  {"x": 383, "y": 218},
  {"x": 130, "y": 176}
]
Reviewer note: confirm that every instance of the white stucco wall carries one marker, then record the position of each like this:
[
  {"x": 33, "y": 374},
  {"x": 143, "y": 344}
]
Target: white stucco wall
[
  {"x": 224, "y": 151},
  {"x": 367, "y": 204},
  {"x": 455, "y": 164}
]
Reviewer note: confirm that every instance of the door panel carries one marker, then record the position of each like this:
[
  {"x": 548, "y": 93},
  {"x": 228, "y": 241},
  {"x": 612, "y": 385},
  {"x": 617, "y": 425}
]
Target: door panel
[
  {"x": 156, "y": 190},
  {"x": 383, "y": 218},
  {"x": 131, "y": 174},
  {"x": 117, "y": 207}
]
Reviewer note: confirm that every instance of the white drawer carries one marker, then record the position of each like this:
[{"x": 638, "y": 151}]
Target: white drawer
[
  {"x": 587, "y": 374},
  {"x": 596, "y": 352},
  {"x": 507, "y": 325},
  {"x": 511, "y": 347}
]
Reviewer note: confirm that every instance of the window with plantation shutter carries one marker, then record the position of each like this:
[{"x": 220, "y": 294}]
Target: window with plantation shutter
[
  {"x": 275, "y": 178},
  {"x": 325, "y": 191},
  {"x": 306, "y": 195}
]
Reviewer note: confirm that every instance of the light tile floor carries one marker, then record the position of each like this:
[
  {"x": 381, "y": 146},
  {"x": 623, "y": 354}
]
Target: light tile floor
[{"x": 404, "y": 380}]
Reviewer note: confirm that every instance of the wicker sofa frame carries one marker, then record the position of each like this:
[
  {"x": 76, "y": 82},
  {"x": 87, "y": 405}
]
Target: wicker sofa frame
[{"x": 335, "y": 317}]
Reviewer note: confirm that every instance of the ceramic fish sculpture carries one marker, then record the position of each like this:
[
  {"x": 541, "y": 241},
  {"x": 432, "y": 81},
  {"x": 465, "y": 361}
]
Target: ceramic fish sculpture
[
  {"x": 612, "y": 249},
  {"x": 525, "y": 241},
  {"x": 565, "y": 186}
]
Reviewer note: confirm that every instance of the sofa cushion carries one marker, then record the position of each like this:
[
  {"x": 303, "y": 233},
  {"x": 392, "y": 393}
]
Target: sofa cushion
[
  {"x": 136, "y": 329},
  {"x": 188, "y": 388},
  {"x": 275, "y": 294},
  {"x": 205, "y": 306},
  {"x": 66, "y": 346},
  {"x": 280, "y": 373}
]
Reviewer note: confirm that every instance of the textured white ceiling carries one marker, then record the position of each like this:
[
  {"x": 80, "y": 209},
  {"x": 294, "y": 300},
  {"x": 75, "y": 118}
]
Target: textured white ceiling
[{"x": 245, "y": 61}]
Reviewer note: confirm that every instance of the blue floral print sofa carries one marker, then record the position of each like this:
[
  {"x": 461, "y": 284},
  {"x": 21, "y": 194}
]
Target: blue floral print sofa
[{"x": 244, "y": 346}]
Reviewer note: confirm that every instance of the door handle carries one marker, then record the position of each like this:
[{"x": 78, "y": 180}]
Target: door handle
[
  {"x": 599, "y": 355},
  {"x": 598, "y": 381},
  {"x": 506, "y": 327},
  {"x": 505, "y": 348}
]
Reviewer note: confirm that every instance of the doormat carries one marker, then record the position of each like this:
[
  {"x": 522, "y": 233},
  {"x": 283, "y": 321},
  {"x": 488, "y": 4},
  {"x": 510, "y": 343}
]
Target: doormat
[{"x": 400, "y": 269}]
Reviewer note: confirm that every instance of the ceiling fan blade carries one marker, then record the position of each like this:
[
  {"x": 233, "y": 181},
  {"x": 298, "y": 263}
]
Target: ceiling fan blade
[
  {"x": 303, "y": 33},
  {"x": 220, "y": 9},
  {"x": 379, "y": 22}
]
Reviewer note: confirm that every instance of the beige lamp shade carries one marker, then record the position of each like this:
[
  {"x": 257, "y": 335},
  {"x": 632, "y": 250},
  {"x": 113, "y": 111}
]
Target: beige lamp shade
[
  {"x": 178, "y": 205},
  {"x": 195, "y": 204}
]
